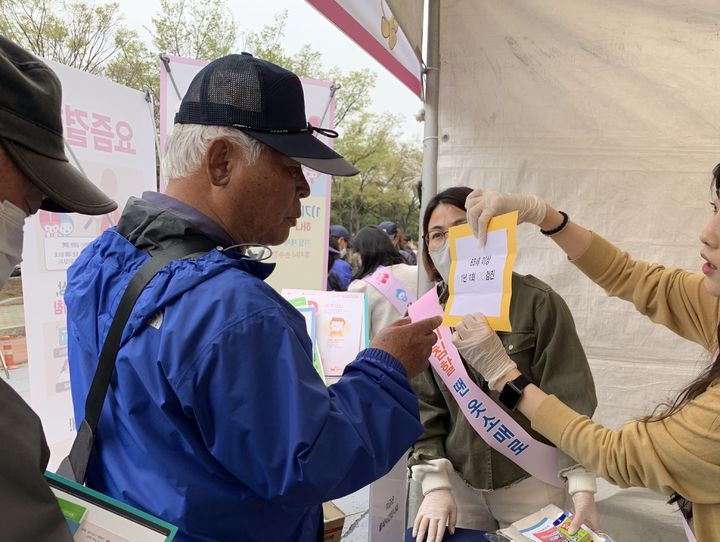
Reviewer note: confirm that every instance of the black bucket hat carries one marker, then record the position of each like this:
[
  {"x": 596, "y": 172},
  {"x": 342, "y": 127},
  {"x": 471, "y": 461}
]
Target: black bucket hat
[
  {"x": 264, "y": 101},
  {"x": 31, "y": 133}
]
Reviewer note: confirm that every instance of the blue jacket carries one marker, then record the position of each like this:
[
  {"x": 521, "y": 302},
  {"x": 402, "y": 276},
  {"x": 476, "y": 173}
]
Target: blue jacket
[
  {"x": 215, "y": 419},
  {"x": 343, "y": 270}
]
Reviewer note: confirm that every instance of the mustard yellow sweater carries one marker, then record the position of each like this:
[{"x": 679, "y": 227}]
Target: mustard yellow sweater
[{"x": 680, "y": 453}]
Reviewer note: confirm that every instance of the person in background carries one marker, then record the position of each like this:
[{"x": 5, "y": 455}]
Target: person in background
[
  {"x": 34, "y": 174},
  {"x": 405, "y": 248},
  {"x": 215, "y": 419},
  {"x": 674, "y": 451},
  {"x": 375, "y": 249},
  {"x": 393, "y": 232},
  {"x": 339, "y": 266},
  {"x": 409, "y": 243},
  {"x": 342, "y": 235},
  {"x": 464, "y": 481},
  {"x": 334, "y": 283}
]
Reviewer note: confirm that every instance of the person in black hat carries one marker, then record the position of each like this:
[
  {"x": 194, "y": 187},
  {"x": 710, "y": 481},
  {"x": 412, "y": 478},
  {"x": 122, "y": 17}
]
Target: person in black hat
[
  {"x": 395, "y": 235},
  {"x": 216, "y": 419},
  {"x": 34, "y": 174}
]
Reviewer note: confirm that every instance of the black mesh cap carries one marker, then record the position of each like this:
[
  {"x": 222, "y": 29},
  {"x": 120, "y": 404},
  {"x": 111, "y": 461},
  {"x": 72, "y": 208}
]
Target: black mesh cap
[{"x": 264, "y": 101}]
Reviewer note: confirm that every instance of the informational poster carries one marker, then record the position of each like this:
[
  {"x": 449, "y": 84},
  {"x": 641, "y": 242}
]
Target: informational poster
[
  {"x": 341, "y": 325},
  {"x": 388, "y": 497},
  {"x": 109, "y": 129},
  {"x": 302, "y": 259},
  {"x": 481, "y": 278}
]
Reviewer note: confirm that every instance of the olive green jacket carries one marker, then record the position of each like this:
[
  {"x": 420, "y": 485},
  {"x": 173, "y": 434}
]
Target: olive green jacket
[{"x": 546, "y": 348}]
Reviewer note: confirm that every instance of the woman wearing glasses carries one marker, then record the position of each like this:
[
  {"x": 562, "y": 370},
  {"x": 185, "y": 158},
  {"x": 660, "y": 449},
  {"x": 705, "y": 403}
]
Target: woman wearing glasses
[{"x": 464, "y": 481}]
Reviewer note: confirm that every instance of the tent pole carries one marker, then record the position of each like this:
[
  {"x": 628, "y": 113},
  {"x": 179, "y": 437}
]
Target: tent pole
[{"x": 430, "y": 135}]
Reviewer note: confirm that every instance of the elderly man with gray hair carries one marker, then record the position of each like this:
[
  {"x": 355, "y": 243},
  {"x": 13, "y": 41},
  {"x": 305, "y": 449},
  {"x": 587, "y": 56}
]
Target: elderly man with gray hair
[{"x": 216, "y": 419}]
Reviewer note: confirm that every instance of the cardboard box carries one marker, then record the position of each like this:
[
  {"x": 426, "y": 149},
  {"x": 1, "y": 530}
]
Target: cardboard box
[{"x": 334, "y": 522}]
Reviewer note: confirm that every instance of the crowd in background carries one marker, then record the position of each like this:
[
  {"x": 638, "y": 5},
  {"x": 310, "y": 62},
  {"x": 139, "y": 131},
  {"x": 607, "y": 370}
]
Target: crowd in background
[{"x": 345, "y": 260}]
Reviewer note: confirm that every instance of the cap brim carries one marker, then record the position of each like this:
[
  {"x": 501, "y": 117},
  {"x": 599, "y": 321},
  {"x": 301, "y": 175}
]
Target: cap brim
[
  {"x": 67, "y": 189},
  {"x": 308, "y": 150}
]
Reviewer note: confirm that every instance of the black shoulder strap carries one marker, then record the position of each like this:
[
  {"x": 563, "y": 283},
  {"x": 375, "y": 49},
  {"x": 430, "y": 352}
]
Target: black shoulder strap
[{"x": 74, "y": 466}]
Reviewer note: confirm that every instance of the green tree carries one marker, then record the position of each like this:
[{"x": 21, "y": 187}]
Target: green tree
[
  {"x": 194, "y": 29},
  {"x": 389, "y": 170},
  {"x": 92, "y": 38}
]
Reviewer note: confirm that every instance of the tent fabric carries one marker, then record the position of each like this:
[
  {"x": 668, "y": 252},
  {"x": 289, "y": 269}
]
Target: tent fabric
[
  {"x": 609, "y": 110},
  {"x": 409, "y": 15}
]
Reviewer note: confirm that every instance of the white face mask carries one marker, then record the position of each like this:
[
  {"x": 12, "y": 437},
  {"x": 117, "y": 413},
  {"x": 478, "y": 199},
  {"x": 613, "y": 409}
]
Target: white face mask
[
  {"x": 12, "y": 220},
  {"x": 343, "y": 252},
  {"x": 441, "y": 259}
]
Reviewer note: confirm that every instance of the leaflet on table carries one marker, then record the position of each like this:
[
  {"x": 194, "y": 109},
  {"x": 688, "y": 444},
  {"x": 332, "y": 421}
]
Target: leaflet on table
[
  {"x": 539, "y": 527},
  {"x": 341, "y": 325},
  {"x": 94, "y": 517},
  {"x": 481, "y": 278}
]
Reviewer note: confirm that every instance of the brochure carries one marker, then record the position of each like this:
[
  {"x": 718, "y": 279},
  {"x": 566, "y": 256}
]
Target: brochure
[
  {"x": 340, "y": 326},
  {"x": 94, "y": 517},
  {"x": 540, "y": 527}
]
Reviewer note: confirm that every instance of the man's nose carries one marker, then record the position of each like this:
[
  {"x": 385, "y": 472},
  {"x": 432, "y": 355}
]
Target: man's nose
[{"x": 303, "y": 187}]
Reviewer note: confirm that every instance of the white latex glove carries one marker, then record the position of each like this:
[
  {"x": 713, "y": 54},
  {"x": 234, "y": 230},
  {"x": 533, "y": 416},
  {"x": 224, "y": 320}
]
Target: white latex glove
[
  {"x": 437, "y": 511},
  {"x": 585, "y": 511},
  {"x": 482, "y": 348},
  {"x": 482, "y": 206}
]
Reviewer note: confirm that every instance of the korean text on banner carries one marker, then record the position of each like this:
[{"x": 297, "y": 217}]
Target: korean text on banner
[
  {"x": 109, "y": 129},
  {"x": 495, "y": 426},
  {"x": 481, "y": 278},
  {"x": 302, "y": 259}
]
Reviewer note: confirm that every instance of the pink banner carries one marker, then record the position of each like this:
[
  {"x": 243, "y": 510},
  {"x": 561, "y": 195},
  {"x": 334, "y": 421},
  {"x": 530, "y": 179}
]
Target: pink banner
[
  {"x": 390, "y": 287},
  {"x": 372, "y": 27},
  {"x": 491, "y": 422}
]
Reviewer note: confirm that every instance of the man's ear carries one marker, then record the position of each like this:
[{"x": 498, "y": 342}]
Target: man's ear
[{"x": 219, "y": 161}]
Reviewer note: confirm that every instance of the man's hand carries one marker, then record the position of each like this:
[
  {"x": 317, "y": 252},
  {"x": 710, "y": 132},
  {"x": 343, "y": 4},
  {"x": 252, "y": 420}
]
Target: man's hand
[
  {"x": 410, "y": 343},
  {"x": 438, "y": 510},
  {"x": 481, "y": 347},
  {"x": 482, "y": 206}
]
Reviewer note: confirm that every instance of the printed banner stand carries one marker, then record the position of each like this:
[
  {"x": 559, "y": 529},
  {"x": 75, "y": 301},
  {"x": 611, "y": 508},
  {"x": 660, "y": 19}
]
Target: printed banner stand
[
  {"x": 109, "y": 130},
  {"x": 481, "y": 278}
]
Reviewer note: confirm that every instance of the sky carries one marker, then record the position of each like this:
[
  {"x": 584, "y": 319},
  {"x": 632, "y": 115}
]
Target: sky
[{"x": 307, "y": 26}]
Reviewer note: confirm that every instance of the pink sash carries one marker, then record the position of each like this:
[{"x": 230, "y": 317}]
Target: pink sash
[
  {"x": 489, "y": 420},
  {"x": 688, "y": 530},
  {"x": 391, "y": 288}
]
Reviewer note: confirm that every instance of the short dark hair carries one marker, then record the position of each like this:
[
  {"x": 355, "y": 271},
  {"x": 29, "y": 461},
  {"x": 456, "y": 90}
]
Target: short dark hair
[
  {"x": 375, "y": 248},
  {"x": 454, "y": 196}
]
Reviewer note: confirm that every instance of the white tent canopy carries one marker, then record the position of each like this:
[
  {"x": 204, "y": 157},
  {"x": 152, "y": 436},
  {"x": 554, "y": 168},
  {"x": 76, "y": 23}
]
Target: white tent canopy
[{"x": 609, "y": 110}]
